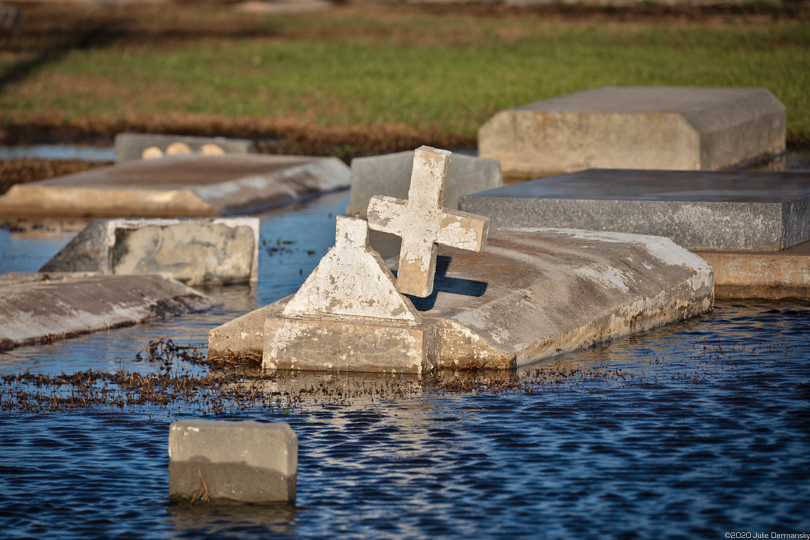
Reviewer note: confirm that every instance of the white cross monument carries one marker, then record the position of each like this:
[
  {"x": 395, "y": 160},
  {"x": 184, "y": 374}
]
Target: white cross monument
[{"x": 422, "y": 221}]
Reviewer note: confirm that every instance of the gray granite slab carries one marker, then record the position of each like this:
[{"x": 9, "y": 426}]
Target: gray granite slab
[{"x": 698, "y": 210}]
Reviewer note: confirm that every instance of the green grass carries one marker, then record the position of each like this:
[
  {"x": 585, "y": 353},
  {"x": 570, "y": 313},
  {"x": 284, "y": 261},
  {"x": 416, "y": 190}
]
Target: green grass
[{"x": 428, "y": 73}]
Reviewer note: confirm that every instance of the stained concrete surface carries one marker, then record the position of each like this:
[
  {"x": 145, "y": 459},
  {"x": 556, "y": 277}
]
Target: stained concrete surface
[
  {"x": 244, "y": 461},
  {"x": 179, "y": 186},
  {"x": 698, "y": 210},
  {"x": 39, "y": 308},
  {"x": 530, "y": 295},
  {"x": 195, "y": 251},
  {"x": 681, "y": 128}
]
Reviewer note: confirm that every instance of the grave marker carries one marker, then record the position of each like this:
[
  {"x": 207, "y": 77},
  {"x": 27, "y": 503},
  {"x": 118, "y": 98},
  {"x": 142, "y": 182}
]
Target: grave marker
[{"x": 422, "y": 222}]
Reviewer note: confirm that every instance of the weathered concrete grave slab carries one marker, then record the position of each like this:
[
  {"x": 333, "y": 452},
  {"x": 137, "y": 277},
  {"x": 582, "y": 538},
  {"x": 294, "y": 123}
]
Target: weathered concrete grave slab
[
  {"x": 697, "y": 210},
  {"x": 178, "y": 186},
  {"x": 131, "y": 146},
  {"x": 530, "y": 295},
  {"x": 244, "y": 461},
  {"x": 753, "y": 228},
  {"x": 636, "y": 128},
  {"x": 348, "y": 316},
  {"x": 39, "y": 308},
  {"x": 194, "y": 251}
]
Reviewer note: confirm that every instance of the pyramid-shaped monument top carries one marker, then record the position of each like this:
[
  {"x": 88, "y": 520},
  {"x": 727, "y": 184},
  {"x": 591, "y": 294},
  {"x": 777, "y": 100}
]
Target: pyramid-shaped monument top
[
  {"x": 351, "y": 280},
  {"x": 422, "y": 221}
]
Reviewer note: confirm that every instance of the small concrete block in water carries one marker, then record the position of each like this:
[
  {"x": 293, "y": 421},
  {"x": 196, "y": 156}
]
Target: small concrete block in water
[
  {"x": 697, "y": 210},
  {"x": 130, "y": 146},
  {"x": 194, "y": 251},
  {"x": 179, "y": 186},
  {"x": 348, "y": 316},
  {"x": 422, "y": 221},
  {"x": 244, "y": 461},
  {"x": 390, "y": 175},
  {"x": 636, "y": 128},
  {"x": 39, "y": 308}
]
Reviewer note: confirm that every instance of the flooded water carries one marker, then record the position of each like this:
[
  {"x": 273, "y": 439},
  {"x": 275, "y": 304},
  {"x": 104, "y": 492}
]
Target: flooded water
[{"x": 694, "y": 430}]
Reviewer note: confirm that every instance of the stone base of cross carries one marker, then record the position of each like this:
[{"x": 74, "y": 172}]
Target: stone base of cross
[
  {"x": 422, "y": 221},
  {"x": 350, "y": 314}
]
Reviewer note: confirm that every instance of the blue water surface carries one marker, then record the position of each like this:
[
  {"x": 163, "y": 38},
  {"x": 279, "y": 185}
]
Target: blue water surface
[{"x": 693, "y": 430}]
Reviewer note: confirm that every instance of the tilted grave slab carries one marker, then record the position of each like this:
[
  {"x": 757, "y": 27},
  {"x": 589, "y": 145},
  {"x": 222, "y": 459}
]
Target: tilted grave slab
[
  {"x": 679, "y": 128},
  {"x": 766, "y": 211},
  {"x": 195, "y": 251},
  {"x": 530, "y": 295},
  {"x": 179, "y": 186},
  {"x": 39, "y": 308}
]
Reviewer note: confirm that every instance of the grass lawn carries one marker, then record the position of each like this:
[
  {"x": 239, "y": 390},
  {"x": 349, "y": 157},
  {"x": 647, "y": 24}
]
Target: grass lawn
[{"x": 392, "y": 73}]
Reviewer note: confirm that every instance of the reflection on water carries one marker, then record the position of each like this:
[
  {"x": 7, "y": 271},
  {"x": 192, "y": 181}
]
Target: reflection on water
[{"x": 692, "y": 430}]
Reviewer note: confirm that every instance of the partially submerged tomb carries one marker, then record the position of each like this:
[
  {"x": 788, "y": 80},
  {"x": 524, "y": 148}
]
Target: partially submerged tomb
[
  {"x": 179, "y": 186},
  {"x": 525, "y": 296},
  {"x": 40, "y": 308}
]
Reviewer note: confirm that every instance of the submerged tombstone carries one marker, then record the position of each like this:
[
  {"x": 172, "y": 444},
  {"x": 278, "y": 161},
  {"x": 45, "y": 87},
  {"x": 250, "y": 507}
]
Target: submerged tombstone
[
  {"x": 351, "y": 313},
  {"x": 676, "y": 128},
  {"x": 194, "y": 251},
  {"x": 525, "y": 296}
]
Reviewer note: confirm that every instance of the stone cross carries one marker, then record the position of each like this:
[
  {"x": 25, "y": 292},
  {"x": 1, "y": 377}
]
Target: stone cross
[{"x": 422, "y": 221}]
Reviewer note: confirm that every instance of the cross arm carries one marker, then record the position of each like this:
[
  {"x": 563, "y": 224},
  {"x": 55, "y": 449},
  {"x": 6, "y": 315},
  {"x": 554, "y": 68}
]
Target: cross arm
[{"x": 463, "y": 230}]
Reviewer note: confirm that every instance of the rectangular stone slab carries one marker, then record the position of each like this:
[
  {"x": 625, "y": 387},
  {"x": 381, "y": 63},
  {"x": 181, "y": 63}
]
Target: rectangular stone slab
[
  {"x": 682, "y": 128},
  {"x": 530, "y": 295},
  {"x": 179, "y": 186},
  {"x": 245, "y": 461},
  {"x": 350, "y": 344},
  {"x": 697, "y": 210},
  {"x": 39, "y": 308},
  {"x": 761, "y": 274}
]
